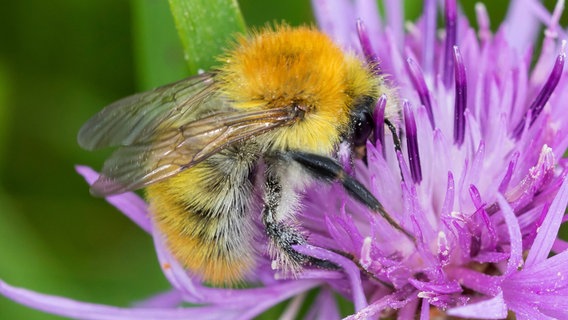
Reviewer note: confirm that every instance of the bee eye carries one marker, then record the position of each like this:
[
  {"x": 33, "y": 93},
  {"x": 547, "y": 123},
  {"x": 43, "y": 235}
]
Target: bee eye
[{"x": 363, "y": 126}]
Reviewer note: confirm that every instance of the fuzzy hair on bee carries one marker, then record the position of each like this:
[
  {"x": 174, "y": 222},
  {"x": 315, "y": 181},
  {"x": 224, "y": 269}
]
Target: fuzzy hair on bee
[{"x": 275, "y": 109}]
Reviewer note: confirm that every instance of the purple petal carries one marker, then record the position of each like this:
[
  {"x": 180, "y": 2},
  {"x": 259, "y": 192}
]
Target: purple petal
[
  {"x": 494, "y": 308},
  {"x": 539, "y": 175},
  {"x": 395, "y": 20},
  {"x": 392, "y": 301},
  {"x": 336, "y": 19},
  {"x": 350, "y": 269},
  {"x": 541, "y": 290},
  {"x": 372, "y": 310},
  {"x": 425, "y": 310},
  {"x": 555, "y": 18},
  {"x": 395, "y": 64},
  {"x": 429, "y": 36},
  {"x": 82, "y": 310},
  {"x": 311, "y": 274},
  {"x": 545, "y": 276},
  {"x": 548, "y": 231},
  {"x": 130, "y": 204},
  {"x": 440, "y": 288},
  {"x": 483, "y": 22},
  {"x": 509, "y": 173},
  {"x": 408, "y": 311},
  {"x": 444, "y": 249},
  {"x": 379, "y": 119},
  {"x": 548, "y": 88},
  {"x": 412, "y": 143},
  {"x": 368, "y": 11},
  {"x": 516, "y": 256},
  {"x": 370, "y": 55},
  {"x": 521, "y": 25},
  {"x": 421, "y": 88},
  {"x": 258, "y": 300},
  {"x": 559, "y": 246},
  {"x": 543, "y": 96},
  {"x": 324, "y": 307},
  {"x": 441, "y": 294},
  {"x": 405, "y": 172},
  {"x": 449, "y": 197},
  {"x": 174, "y": 272},
  {"x": 344, "y": 233},
  {"x": 293, "y": 307},
  {"x": 168, "y": 299},
  {"x": 196, "y": 293},
  {"x": 528, "y": 312},
  {"x": 451, "y": 31},
  {"x": 482, "y": 283},
  {"x": 551, "y": 20},
  {"x": 460, "y": 98}
]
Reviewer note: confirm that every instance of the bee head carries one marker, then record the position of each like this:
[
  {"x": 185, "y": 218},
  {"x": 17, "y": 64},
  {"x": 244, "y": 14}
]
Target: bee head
[
  {"x": 361, "y": 121},
  {"x": 364, "y": 88}
]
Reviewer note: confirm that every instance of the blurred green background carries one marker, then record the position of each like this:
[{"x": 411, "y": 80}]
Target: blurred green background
[{"x": 60, "y": 62}]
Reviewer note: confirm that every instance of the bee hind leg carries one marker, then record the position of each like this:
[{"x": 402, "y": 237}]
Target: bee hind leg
[{"x": 283, "y": 232}]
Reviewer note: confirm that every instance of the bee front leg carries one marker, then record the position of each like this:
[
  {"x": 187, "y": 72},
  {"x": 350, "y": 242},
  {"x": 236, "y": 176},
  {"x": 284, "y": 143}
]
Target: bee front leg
[
  {"x": 280, "y": 205},
  {"x": 329, "y": 170}
]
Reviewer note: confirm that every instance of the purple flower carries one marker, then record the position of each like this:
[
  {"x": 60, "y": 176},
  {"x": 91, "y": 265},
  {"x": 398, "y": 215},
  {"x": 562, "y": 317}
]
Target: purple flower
[{"x": 478, "y": 181}]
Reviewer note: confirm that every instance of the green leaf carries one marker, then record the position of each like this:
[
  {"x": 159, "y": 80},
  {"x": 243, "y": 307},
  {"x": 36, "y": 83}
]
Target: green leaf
[
  {"x": 205, "y": 27},
  {"x": 4, "y": 116},
  {"x": 158, "y": 52}
]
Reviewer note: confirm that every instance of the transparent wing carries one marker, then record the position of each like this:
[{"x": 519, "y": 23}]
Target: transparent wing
[
  {"x": 140, "y": 164},
  {"x": 137, "y": 118}
]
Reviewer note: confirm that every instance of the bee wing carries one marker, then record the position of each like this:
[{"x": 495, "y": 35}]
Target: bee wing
[
  {"x": 137, "y": 118},
  {"x": 138, "y": 165}
]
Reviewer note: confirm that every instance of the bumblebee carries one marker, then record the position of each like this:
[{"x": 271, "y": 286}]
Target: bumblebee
[{"x": 275, "y": 110}]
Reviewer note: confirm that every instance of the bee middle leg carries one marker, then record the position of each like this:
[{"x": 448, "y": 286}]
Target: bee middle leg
[{"x": 283, "y": 231}]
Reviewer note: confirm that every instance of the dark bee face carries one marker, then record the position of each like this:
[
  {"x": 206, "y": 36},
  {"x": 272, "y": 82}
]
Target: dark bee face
[{"x": 362, "y": 124}]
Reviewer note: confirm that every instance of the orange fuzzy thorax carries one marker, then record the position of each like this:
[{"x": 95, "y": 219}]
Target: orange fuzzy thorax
[{"x": 285, "y": 66}]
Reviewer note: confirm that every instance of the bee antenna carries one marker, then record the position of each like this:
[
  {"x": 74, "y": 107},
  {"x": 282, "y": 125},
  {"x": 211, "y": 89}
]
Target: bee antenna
[{"x": 395, "y": 136}]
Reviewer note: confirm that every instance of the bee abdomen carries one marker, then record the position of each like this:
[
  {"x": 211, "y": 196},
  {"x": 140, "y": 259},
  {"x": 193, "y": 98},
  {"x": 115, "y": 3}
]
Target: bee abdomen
[
  {"x": 207, "y": 246},
  {"x": 205, "y": 214}
]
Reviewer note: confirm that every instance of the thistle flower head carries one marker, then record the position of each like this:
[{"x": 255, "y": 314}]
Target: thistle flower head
[
  {"x": 479, "y": 177},
  {"x": 472, "y": 171}
]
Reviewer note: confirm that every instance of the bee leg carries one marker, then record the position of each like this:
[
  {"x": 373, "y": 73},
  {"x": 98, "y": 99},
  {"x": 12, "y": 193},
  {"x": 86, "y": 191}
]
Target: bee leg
[
  {"x": 283, "y": 233},
  {"x": 329, "y": 170}
]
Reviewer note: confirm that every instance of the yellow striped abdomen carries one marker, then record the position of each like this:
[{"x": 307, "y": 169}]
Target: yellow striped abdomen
[{"x": 205, "y": 214}]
